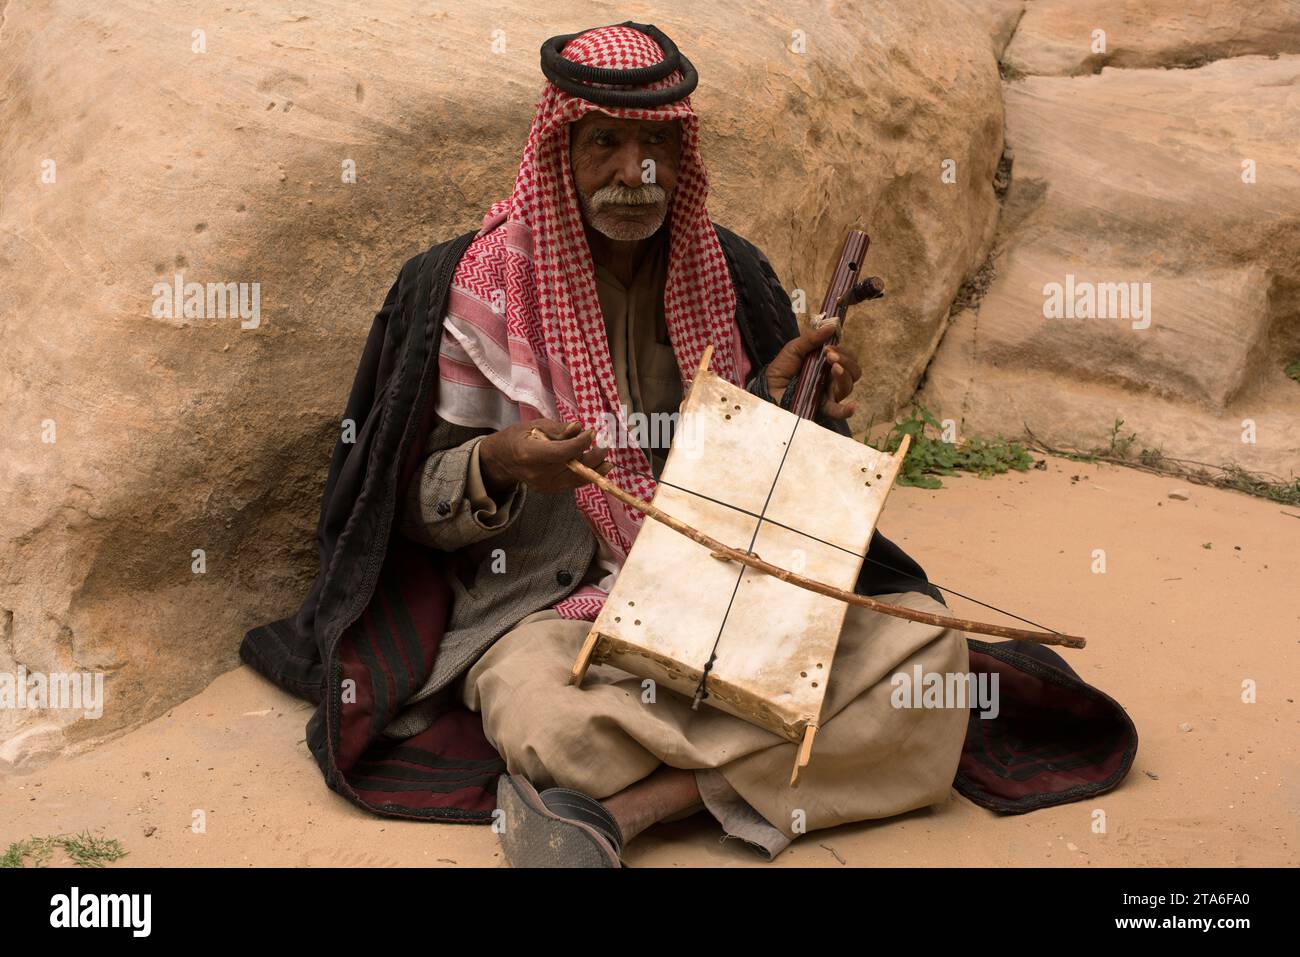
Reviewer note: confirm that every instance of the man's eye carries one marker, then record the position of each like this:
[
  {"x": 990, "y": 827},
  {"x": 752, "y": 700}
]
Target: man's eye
[
  {"x": 657, "y": 138},
  {"x": 603, "y": 139}
]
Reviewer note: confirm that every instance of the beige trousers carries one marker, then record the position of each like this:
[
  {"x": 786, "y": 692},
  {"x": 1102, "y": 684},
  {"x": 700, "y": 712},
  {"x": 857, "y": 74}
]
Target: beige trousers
[{"x": 870, "y": 759}]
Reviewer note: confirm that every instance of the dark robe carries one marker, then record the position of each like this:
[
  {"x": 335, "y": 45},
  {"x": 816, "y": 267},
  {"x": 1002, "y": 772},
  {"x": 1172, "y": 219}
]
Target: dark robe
[{"x": 366, "y": 636}]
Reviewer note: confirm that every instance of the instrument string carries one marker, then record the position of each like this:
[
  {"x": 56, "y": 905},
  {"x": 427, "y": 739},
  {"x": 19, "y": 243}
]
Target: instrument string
[
  {"x": 701, "y": 692},
  {"x": 848, "y": 551}
]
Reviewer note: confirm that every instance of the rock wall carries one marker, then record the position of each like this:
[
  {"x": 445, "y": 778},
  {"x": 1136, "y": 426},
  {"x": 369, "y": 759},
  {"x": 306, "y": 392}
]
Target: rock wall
[
  {"x": 161, "y": 472},
  {"x": 1058, "y": 37},
  {"x": 1180, "y": 185}
]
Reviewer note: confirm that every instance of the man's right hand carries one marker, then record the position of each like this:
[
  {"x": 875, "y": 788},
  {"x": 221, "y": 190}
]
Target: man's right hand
[{"x": 513, "y": 455}]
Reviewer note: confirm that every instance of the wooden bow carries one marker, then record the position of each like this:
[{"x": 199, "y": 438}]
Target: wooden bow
[
  {"x": 727, "y": 552},
  {"x": 844, "y": 290}
]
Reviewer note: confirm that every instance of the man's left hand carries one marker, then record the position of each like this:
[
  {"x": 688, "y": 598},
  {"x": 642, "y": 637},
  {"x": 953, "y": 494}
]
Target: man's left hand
[{"x": 844, "y": 370}]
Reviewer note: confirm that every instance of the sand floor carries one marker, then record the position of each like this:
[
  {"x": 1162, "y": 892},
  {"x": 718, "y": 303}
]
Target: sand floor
[{"x": 1175, "y": 628}]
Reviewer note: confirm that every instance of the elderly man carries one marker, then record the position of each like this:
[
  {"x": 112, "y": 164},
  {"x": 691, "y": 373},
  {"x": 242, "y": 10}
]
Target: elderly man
[
  {"x": 462, "y": 561},
  {"x": 627, "y": 283}
]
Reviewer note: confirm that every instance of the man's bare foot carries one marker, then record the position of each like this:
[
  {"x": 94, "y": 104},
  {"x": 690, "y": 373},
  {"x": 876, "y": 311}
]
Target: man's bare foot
[{"x": 666, "y": 793}]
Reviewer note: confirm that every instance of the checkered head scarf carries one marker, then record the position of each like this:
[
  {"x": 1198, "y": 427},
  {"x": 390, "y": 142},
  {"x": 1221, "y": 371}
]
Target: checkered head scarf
[{"x": 524, "y": 336}]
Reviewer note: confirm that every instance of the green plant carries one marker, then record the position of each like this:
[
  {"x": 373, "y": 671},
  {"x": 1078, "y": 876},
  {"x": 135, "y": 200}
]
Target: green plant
[
  {"x": 84, "y": 849},
  {"x": 1120, "y": 444},
  {"x": 928, "y": 457},
  {"x": 1293, "y": 370},
  {"x": 1285, "y": 491}
]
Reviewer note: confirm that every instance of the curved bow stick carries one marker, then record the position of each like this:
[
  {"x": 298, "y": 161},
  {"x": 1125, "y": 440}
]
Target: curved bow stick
[{"x": 719, "y": 550}]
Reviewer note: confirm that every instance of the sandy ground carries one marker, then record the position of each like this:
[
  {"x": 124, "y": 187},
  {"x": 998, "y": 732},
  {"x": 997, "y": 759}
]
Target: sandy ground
[{"x": 1174, "y": 629}]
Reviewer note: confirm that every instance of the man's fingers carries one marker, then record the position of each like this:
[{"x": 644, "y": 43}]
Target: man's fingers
[
  {"x": 558, "y": 450},
  {"x": 845, "y": 358},
  {"x": 593, "y": 458},
  {"x": 549, "y": 460},
  {"x": 808, "y": 341},
  {"x": 553, "y": 476},
  {"x": 841, "y": 382},
  {"x": 565, "y": 478},
  {"x": 556, "y": 430},
  {"x": 823, "y": 332},
  {"x": 838, "y": 410}
]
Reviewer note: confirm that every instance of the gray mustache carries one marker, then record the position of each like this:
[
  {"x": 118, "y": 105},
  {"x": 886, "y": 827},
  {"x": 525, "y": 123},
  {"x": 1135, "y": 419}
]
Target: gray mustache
[{"x": 650, "y": 194}]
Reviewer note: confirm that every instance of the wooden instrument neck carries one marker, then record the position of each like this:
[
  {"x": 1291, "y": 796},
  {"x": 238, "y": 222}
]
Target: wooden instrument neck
[{"x": 814, "y": 374}]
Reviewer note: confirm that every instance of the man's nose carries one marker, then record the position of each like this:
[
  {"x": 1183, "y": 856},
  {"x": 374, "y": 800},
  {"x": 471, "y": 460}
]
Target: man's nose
[{"x": 629, "y": 166}]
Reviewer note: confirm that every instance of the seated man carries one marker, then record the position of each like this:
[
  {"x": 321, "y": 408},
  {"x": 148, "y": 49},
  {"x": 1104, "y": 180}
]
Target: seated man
[
  {"x": 462, "y": 562},
  {"x": 626, "y": 285}
]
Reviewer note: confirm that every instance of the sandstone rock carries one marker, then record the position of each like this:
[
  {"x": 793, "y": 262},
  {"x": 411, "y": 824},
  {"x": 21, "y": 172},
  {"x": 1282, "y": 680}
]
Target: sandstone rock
[
  {"x": 162, "y": 474},
  {"x": 1001, "y": 18},
  {"x": 1056, "y": 36},
  {"x": 1136, "y": 176},
  {"x": 38, "y": 743}
]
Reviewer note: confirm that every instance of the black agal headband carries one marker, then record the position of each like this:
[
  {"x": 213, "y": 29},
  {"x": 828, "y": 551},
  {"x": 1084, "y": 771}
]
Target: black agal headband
[{"x": 573, "y": 78}]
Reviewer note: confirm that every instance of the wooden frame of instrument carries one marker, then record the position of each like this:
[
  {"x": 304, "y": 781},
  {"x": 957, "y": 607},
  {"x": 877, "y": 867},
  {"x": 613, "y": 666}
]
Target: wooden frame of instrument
[{"x": 674, "y": 598}]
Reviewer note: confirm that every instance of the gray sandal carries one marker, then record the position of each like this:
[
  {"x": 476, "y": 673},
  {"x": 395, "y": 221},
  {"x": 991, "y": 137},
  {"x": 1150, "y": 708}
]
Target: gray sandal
[{"x": 559, "y": 827}]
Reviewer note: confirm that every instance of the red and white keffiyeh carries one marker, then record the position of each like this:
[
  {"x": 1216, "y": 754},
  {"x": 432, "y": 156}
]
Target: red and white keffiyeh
[{"x": 524, "y": 336}]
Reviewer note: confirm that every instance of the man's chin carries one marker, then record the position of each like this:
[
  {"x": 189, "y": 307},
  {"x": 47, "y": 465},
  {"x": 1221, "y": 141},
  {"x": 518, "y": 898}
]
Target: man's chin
[{"x": 624, "y": 228}]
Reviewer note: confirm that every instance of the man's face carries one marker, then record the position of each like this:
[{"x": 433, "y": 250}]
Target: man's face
[{"x": 622, "y": 195}]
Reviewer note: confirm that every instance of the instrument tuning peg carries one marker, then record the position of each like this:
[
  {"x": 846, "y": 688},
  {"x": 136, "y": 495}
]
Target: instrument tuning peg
[{"x": 873, "y": 287}]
